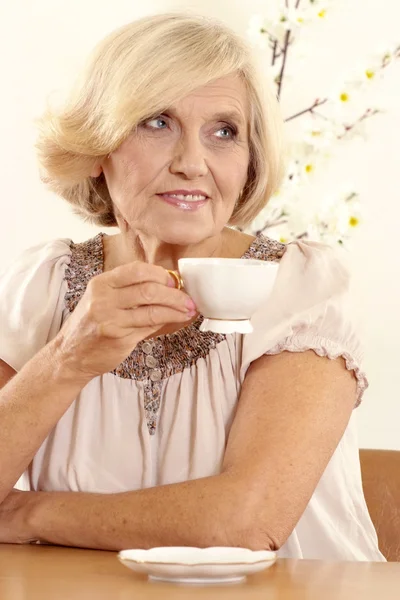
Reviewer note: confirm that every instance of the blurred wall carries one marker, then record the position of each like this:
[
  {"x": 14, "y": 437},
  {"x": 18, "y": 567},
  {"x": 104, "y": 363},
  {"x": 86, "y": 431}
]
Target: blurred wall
[{"x": 42, "y": 44}]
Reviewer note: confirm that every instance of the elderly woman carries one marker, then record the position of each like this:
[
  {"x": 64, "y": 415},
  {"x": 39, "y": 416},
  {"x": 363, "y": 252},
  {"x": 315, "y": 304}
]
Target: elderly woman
[{"x": 124, "y": 424}]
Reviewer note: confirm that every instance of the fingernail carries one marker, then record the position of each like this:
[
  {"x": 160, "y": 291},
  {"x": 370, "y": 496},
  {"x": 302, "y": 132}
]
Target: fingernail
[
  {"x": 171, "y": 282},
  {"x": 190, "y": 304},
  {"x": 191, "y": 314}
]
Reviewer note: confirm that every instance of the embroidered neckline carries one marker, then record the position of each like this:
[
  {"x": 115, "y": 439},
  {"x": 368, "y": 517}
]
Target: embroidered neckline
[
  {"x": 87, "y": 261},
  {"x": 155, "y": 359}
]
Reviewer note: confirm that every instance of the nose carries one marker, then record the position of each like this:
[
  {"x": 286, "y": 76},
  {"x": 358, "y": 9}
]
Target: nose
[{"x": 189, "y": 157}]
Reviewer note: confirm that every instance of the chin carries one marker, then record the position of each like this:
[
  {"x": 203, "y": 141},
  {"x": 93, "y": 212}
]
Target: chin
[{"x": 180, "y": 234}]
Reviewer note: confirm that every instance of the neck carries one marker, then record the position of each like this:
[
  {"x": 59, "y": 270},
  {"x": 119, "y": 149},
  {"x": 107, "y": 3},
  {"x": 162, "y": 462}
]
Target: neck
[{"x": 129, "y": 246}]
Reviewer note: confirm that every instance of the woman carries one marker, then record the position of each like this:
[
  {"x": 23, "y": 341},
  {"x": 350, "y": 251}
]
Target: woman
[{"x": 169, "y": 436}]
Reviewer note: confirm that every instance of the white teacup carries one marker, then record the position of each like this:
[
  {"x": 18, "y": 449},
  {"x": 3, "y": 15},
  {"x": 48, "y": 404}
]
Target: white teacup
[{"x": 227, "y": 291}]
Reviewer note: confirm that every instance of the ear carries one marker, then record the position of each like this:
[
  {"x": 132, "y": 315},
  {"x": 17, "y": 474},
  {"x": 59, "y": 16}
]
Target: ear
[{"x": 97, "y": 170}]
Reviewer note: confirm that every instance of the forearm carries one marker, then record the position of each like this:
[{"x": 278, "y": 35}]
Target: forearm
[
  {"x": 202, "y": 512},
  {"x": 31, "y": 404}
]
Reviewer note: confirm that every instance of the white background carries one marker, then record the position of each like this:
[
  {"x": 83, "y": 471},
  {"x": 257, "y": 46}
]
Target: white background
[{"x": 42, "y": 43}]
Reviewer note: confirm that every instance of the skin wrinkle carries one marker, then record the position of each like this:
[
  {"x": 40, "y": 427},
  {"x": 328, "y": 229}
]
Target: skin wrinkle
[
  {"x": 288, "y": 420},
  {"x": 185, "y": 153}
]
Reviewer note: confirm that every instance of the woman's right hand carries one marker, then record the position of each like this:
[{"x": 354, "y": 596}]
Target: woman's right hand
[{"x": 119, "y": 309}]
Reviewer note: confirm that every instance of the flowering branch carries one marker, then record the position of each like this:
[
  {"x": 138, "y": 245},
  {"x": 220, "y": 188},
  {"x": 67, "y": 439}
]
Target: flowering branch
[
  {"x": 294, "y": 212},
  {"x": 285, "y": 53},
  {"x": 386, "y": 61},
  {"x": 274, "y": 52},
  {"x": 274, "y": 223},
  {"x": 310, "y": 109},
  {"x": 370, "y": 112},
  {"x": 271, "y": 36}
]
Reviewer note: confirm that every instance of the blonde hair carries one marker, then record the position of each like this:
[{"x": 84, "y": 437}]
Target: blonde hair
[{"x": 139, "y": 71}]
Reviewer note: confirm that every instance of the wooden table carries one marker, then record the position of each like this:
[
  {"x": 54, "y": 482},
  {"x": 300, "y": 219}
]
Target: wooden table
[{"x": 52, "y": 573}]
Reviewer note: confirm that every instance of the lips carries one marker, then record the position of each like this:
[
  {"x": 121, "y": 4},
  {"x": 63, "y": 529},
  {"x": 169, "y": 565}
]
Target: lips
[
  {"x": 186, "y": 194},
  {"x": 185, "y": 202}
]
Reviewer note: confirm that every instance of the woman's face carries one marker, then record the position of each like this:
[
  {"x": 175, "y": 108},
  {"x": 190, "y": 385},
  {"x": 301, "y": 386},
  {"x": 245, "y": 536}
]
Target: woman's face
[{"x": 199, "y": 145}]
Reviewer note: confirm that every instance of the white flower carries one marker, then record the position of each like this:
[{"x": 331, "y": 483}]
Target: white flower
[
  {"x": 292, "y": 175},
  {"x": 318, "y": 10},
  {"x": 282, "y": 234},
  {"x": 340, "y": 214},
  {"x": 345, "y": 102},
  {"x": 301, "y": 215},
  {"x": 385, "y": 54},
  {"x": 305, "y": 13},
  {"x": 263, "y": 28},
  {"x": 331, "y": 218},
  {"x": 303, "y": 168},
  {"x": 363, "y": 76},
  {"x": 292, "y": 18},
  {"x": 295, "y": 211},
  {"x": 279, "y": 19},
  {"x": 257, "y": 32},
  {"x": 319, "y": 134},
  {"x": 343, "y": 94}
]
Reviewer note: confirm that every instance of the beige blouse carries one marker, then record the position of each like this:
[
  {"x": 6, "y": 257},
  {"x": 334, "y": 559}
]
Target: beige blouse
[{"x": 164, "y": 415}]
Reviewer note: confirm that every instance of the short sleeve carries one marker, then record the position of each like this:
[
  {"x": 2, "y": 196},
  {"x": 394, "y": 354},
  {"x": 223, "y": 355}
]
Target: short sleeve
[
  {"x": 32, "y": 294},
  {"x": 310, "y": 308}
]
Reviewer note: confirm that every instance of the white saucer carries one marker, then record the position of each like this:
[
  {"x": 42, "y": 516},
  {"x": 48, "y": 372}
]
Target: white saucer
[{"x": 197, "y": 565}]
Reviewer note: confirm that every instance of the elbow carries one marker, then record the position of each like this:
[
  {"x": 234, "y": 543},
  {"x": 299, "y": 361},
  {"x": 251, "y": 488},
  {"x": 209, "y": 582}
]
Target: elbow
[
  {"x": 260, "y": 537},
  {"x": 249, "y": 526}
]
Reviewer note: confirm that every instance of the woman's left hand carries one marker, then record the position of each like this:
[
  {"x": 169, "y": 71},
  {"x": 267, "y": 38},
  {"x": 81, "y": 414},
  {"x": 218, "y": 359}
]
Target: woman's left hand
[{"x": 15, "y": 512}]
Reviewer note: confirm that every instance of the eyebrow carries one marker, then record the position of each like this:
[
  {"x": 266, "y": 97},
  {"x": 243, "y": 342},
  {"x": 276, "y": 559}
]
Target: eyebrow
[
  {"x": 230, "y": 115},
  {"x": 227, "y": 115}
]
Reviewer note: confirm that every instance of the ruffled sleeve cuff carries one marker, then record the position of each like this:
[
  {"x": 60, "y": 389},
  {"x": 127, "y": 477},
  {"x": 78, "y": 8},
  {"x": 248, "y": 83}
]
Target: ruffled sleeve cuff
[
  {"x": 324, "y": 347},
  {"x": 310, "y": 308}
]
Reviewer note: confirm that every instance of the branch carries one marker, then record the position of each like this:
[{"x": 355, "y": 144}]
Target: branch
[
  {"x": 274, "y": 52},
  {"x": 320, "y": 116},
  {"x": 386, "y": 62},
  {"x": 276, "y": 223},
  {"x": 310, "y": 109},
  {"x": 271, "y": 36},
  {"x": 368, "y": 113},
  {"x": 285, "y": 52}
]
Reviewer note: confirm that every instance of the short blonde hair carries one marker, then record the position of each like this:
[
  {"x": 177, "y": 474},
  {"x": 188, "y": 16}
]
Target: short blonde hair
[{"x": 136, "y": 72}]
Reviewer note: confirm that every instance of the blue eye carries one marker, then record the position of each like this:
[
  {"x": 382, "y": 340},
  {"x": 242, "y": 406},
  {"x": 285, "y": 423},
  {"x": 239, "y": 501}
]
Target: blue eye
[
  {"x": 232, "y": 132},
  {"x": 157, "y": 120},
  {"x": 160, "y": 123}
]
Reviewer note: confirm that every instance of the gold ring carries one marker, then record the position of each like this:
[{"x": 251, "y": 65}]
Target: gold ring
[{"x": 177, "y": 278}]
